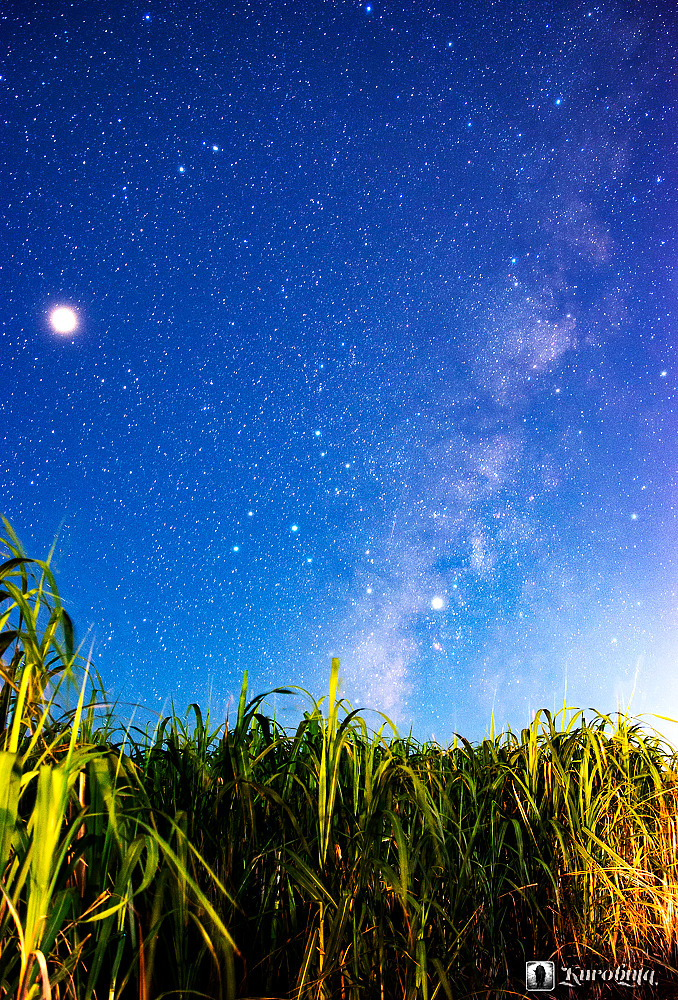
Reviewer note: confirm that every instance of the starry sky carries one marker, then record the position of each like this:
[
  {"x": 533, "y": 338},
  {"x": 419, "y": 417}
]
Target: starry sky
[{"x": 374, "y": 352}]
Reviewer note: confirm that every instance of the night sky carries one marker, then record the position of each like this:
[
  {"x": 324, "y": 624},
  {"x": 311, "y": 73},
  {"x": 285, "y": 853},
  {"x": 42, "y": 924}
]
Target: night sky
[{"x": 375, "y": 348}]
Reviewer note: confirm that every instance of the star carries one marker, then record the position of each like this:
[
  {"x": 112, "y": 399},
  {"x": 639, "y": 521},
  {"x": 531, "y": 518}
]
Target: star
[{"x": 63, "y": 320}]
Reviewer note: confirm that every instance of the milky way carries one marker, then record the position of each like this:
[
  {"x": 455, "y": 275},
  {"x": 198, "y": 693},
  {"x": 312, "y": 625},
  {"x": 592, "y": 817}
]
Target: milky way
[{"x": 375, "y": 353}]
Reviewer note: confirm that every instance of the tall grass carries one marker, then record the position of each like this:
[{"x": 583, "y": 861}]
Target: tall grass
[{"x": 246, "y": 860}]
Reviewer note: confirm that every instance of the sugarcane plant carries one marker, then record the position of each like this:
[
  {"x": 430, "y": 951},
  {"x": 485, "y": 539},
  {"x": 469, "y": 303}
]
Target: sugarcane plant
[
  {"x": 327, "y": 860},
  {"x": 87, "y": 881}
]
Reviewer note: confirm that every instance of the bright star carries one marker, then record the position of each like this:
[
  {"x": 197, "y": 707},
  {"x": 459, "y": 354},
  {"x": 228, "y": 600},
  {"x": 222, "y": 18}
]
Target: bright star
[
  {"x": 437, "y": 603},
  {"x": 295, "y": 527},
  {"x": 63, "y": 320}
]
